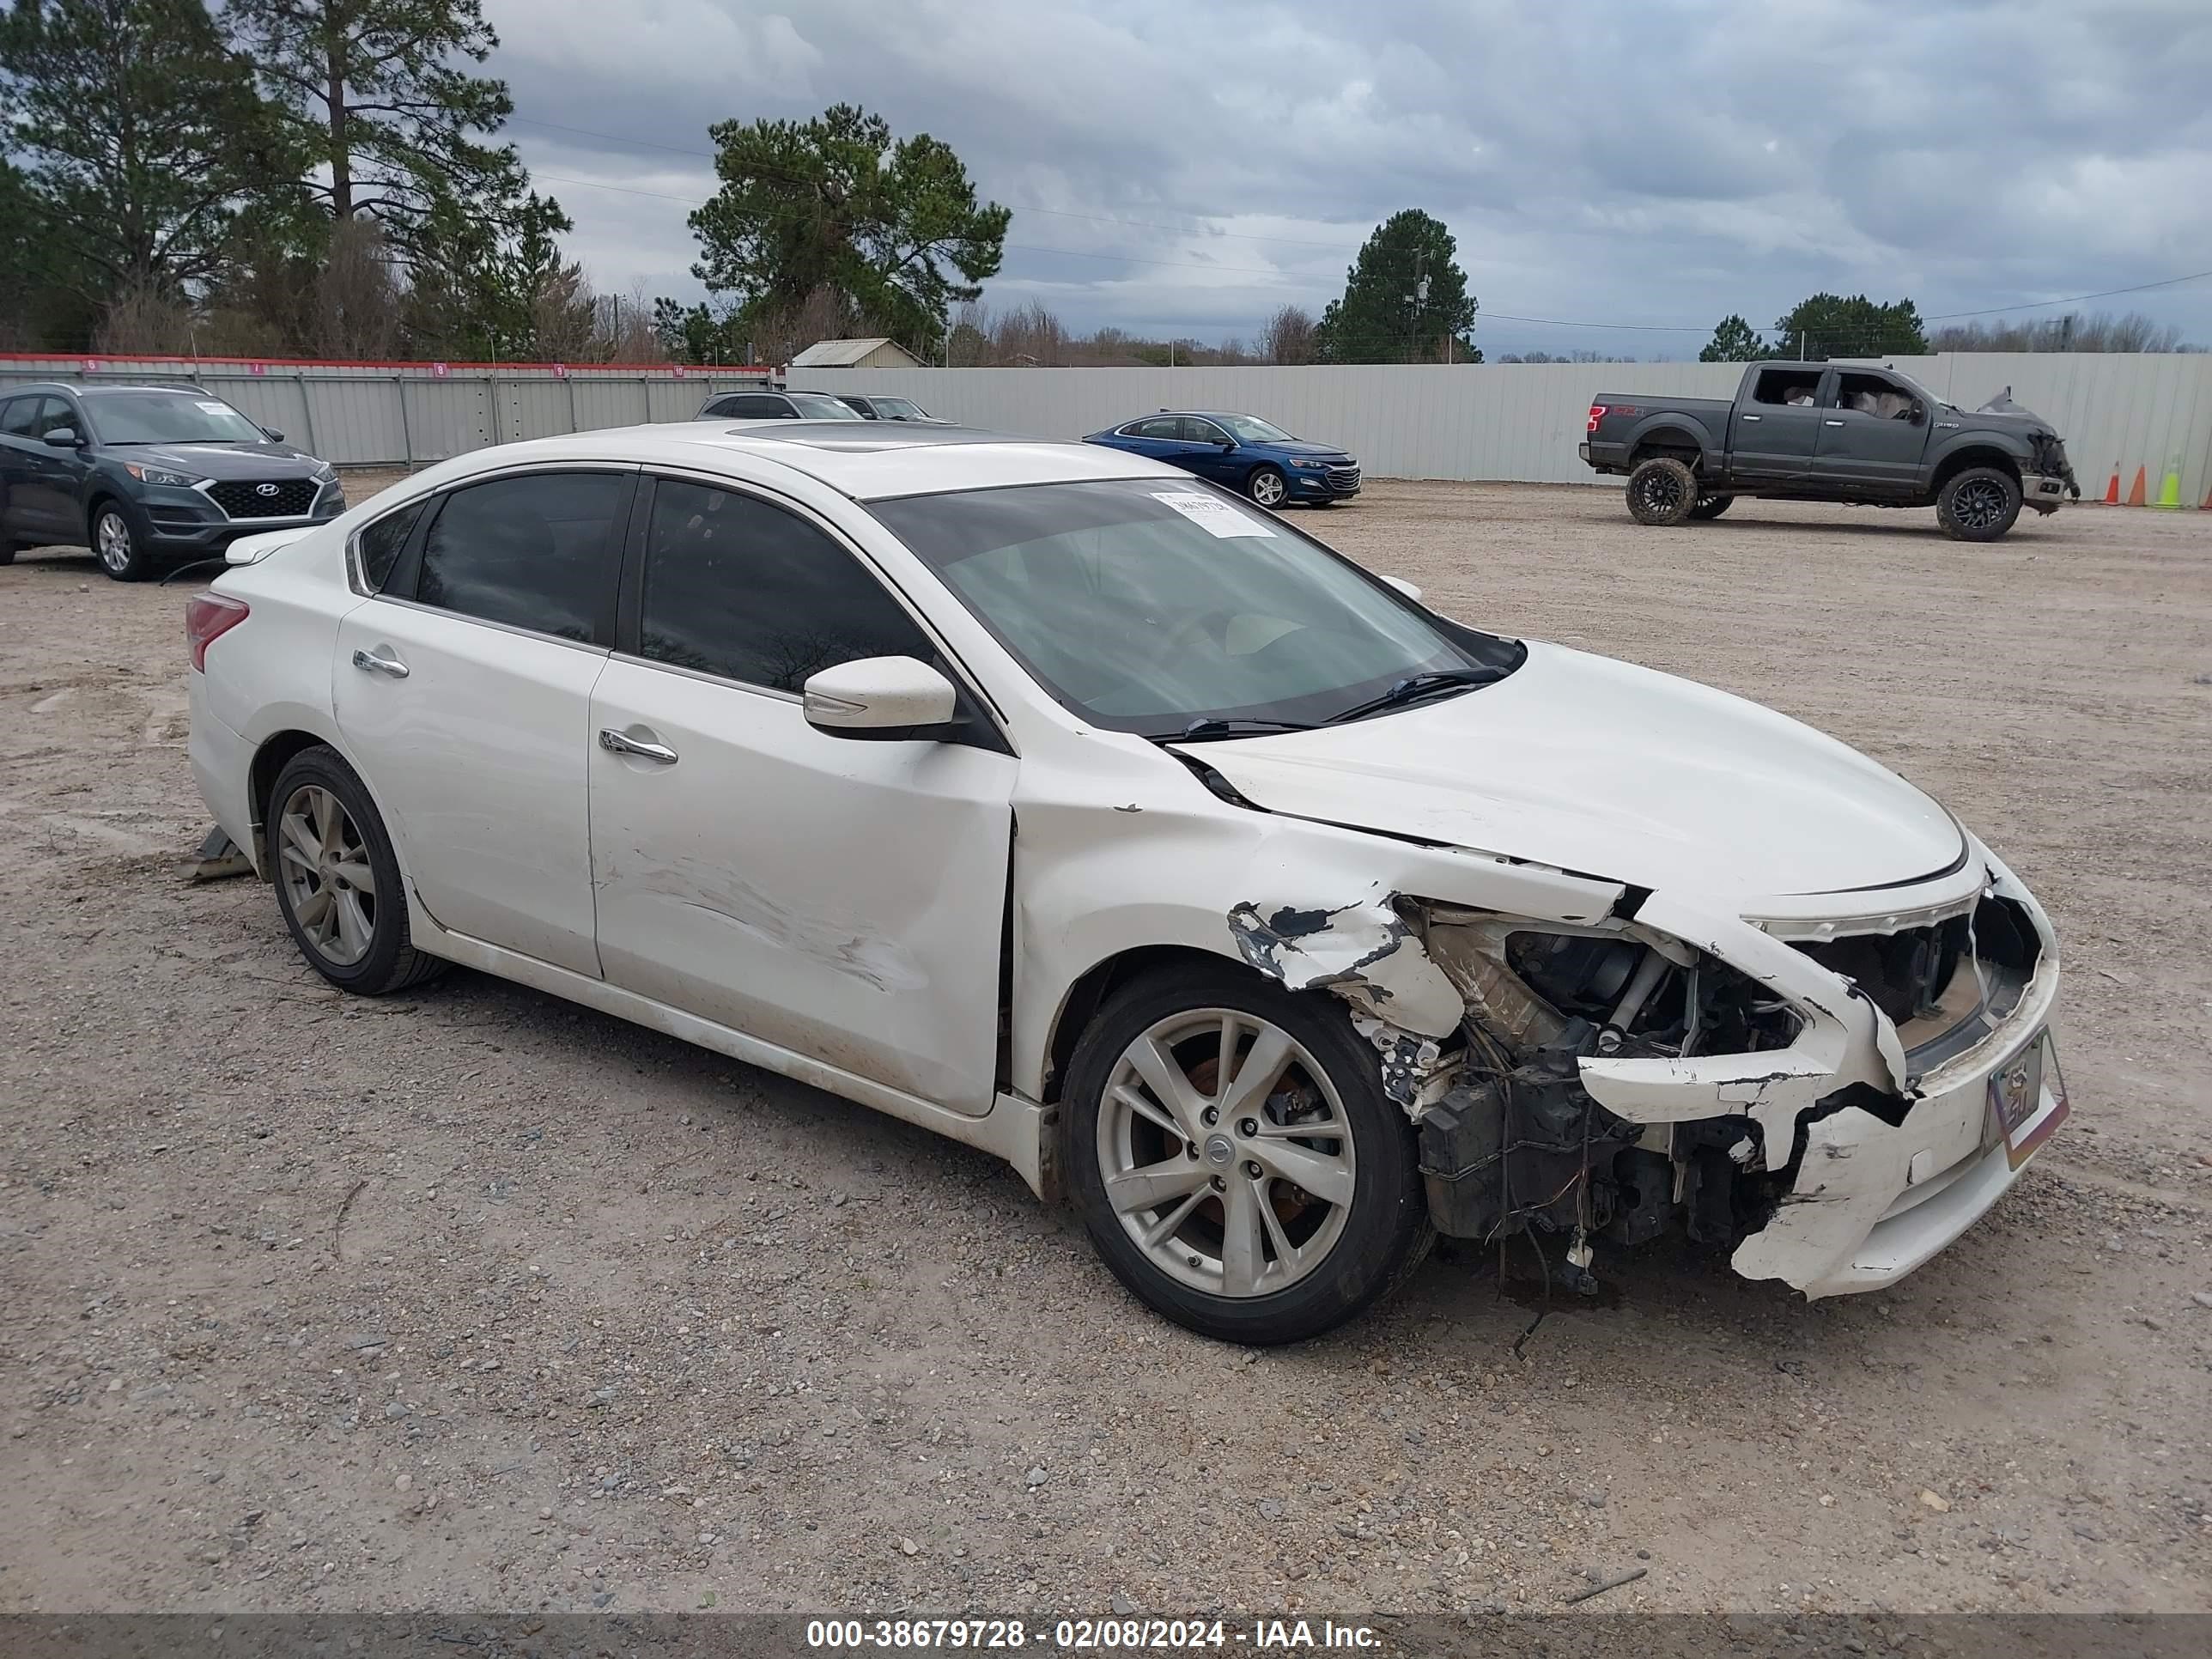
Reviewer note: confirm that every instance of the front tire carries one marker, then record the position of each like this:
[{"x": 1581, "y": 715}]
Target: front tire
[
  {"x": 117, "y": 545},
  {"x": 1266, "y": 487},
  {"x": 1263, "y": 1201},
  {"x": 1662, "y": 491},
  {"x": 1977, "y": 505},
  {"x": 337, "y": 879},
  {"x": 1711, "y": 507}
]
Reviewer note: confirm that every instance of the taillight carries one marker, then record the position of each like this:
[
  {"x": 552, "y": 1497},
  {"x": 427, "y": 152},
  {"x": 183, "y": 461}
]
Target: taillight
[
  {"x": 1597, "y": 414},
  {"x": 207, "y": 618}
]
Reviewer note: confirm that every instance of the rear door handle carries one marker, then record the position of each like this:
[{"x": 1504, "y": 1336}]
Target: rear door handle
[
  {"x": 1831, "y": 423},
  {"x": 1754, "y": 418},
  {"x": 380, "y": 661},
  {"x": 623, "y": 743}
]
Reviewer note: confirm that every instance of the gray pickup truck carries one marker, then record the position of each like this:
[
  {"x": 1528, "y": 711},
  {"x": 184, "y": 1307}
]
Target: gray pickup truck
[{"x": 1829, "y": 432}]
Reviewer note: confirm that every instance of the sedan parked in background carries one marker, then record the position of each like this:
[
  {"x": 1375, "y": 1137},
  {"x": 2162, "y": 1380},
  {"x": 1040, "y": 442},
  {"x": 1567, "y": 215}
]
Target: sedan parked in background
[
  {"x": 1331, "y": 920},
  {"x": 148, "y": 475},
  {"x": 776, "y": 406},
  {"x": 871, "y": 407},
  {"x": 1254, "y": 457}
]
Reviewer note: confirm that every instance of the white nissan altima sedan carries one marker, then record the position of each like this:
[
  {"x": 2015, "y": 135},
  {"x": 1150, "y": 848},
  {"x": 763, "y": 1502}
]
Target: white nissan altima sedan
[{"x": 1066, "y": 805}]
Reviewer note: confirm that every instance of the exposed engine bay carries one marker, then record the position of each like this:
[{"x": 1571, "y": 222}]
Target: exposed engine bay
[{"x": 1517, "y": 1143}]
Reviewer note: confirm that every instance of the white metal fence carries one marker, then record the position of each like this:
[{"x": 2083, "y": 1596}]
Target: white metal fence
[
  {"x": 2120, "y": 413},
  {"x": 2124, "y": 416},
  {"x": 409, "y": 415}
]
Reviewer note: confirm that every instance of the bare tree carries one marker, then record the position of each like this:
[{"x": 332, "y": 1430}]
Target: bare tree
[
  {"x": 2132, "y": 331},
  {"x": 1288, "y": 337},
  {"x": 357, "y": 303}
]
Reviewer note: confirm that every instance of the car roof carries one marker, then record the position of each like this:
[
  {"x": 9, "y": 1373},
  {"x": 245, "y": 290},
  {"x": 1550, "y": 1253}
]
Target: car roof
[
  {"x": 865, "y": 460},
  {"x": 183, "y": 387}
]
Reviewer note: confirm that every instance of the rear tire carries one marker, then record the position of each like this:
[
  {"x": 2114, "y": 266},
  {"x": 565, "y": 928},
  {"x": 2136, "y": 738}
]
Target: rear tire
[
  {"x": 1313, "y": 1255},
  {"x": 1711, "y": 507},
  {"x": 337, "y": 879},
  {"x": 1977, "y": 505},
  {"x": 117, "y": 545},
  {"x": 1662, "y": 491},
  {"x": 8, "y": 551}
]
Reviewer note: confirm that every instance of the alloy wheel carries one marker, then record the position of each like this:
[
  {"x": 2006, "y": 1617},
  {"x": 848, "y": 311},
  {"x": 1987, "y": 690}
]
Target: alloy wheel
[
  {"x": 1658, "y": 491},
  {"x": 328, "y": 883},
  {"x": 1226, "y": 1153},
  {"x": 1979, "y": 503},
  {"x": 112, "y": 541},
  {"x": 1268, "y": 489}
]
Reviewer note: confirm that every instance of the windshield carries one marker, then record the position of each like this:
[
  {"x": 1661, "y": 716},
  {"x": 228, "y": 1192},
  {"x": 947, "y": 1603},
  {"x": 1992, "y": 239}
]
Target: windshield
[
  {"x": 900, "y": 409},
  {"x": 1146, "y": 605},
  {"x": 820, "y": 406},
  {"x": 168, "y": 417},
  {"x": 1251, "y": 429}
]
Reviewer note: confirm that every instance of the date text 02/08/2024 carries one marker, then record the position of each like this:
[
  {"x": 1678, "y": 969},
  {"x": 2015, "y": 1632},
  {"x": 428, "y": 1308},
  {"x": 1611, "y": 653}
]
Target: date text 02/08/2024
[{"x": 839, "y": 1636}]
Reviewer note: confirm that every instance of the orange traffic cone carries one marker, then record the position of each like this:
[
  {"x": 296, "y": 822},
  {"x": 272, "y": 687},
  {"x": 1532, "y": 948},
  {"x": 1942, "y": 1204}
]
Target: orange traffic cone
[
  {"x": 2112, "y": 489},
  {"x": 2136, "y": 495}
]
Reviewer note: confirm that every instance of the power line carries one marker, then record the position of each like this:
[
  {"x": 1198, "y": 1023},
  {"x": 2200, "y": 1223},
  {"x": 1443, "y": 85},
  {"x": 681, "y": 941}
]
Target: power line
[{"x": 2102, "y": 294}]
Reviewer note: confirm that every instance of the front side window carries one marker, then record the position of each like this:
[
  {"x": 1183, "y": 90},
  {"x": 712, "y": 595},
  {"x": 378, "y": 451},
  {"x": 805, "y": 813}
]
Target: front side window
[
  {"x": 19, "y": 418},
  {"x": 536, "y": 552},
  {"x": 168, "y": 417},
  {"x": 1146, "y": 605},
  {"x": 1251, "y": 429},
  {"x": 1197, "y": 431},
  {"x": 899, "y": 408},
  {"x": 820, "y": 406},
  {"x": 740, "y": 589}
]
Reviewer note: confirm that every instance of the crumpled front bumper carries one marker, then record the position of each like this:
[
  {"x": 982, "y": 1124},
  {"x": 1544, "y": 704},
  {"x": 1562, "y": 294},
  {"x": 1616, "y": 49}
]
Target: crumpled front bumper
[{"x": 1870, "y": 1201}]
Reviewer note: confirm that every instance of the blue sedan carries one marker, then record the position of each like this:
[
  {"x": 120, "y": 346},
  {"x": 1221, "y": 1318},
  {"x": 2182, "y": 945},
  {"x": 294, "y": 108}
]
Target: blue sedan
[{"x": 1241, "y": 451}]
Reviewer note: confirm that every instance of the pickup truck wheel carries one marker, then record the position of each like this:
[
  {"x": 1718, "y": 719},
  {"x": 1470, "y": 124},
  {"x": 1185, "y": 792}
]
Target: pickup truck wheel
[
  {"x": 1977, "y": 505},
  {"x": 1661, "y": 490},
  {"x": 1711, "y": 507}
]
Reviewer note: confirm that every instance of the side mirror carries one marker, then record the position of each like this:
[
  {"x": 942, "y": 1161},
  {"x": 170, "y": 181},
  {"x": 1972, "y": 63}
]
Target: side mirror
[
  {"x": 1918, "y": 413},
  {"x": 1227, "y": 444},
  {"x": 886, "y": 698},
  {"x": 1405, "y": 587},
  {"x": 272, "y": 435},
  {"x": 62, "y": 437}
]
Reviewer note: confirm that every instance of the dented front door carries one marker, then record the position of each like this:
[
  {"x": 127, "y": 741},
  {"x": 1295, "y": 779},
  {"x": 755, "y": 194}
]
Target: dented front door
[{"x": 842, "y": 900}]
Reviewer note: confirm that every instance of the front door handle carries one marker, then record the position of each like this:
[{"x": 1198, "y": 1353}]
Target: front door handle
[
  {"x": 380, "y": 662},
  {"x": 623, "y": 743},
  {"x": 1752, "y": 417}
]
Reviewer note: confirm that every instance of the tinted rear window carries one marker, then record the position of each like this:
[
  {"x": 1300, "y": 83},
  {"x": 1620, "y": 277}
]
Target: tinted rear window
[{"x": 535, "y": 552}]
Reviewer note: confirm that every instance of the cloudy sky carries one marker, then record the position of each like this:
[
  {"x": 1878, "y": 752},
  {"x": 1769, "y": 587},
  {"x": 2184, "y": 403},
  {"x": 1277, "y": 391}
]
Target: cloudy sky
[{"x": 1182, "y": 167}]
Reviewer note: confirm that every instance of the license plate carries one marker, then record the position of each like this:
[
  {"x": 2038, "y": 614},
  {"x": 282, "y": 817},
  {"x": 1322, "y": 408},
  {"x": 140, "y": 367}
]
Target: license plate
[{"x": 2023, "y": 1121}]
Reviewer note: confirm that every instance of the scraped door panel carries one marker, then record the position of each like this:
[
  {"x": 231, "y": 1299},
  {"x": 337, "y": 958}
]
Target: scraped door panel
[{"x": 843, "y": 900}]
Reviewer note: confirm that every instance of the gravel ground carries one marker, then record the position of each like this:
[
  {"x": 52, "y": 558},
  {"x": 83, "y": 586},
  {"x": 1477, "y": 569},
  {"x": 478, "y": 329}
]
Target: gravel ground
[{"x": 472, "y": 1299}]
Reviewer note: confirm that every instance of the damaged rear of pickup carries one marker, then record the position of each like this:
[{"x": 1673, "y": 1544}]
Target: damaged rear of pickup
[{"x": 1825, "y": 1096}]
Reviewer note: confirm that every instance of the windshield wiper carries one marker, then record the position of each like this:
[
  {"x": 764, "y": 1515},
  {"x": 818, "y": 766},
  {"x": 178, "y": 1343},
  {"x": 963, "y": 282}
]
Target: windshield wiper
[
  {"x": 1201, "y": 731},
  {"x": 1415, "y": 687}
]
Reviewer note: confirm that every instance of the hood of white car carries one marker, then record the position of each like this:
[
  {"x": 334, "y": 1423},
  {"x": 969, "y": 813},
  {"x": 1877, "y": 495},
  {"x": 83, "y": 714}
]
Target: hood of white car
[{"x": 1610, "y": 770}]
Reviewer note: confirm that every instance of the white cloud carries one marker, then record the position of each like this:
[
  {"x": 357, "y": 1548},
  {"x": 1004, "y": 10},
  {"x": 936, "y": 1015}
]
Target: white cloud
[{"x": 1667, "y": 163}]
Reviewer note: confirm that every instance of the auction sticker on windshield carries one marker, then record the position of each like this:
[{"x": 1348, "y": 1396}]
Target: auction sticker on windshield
[
  {"x": 1216, "y": 517},
  {"x": 2018, "y": 1089}
]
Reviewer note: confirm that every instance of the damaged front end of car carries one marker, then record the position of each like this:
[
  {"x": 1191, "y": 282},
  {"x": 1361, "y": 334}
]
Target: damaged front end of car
[{"x": 1811, "y": 1094}]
